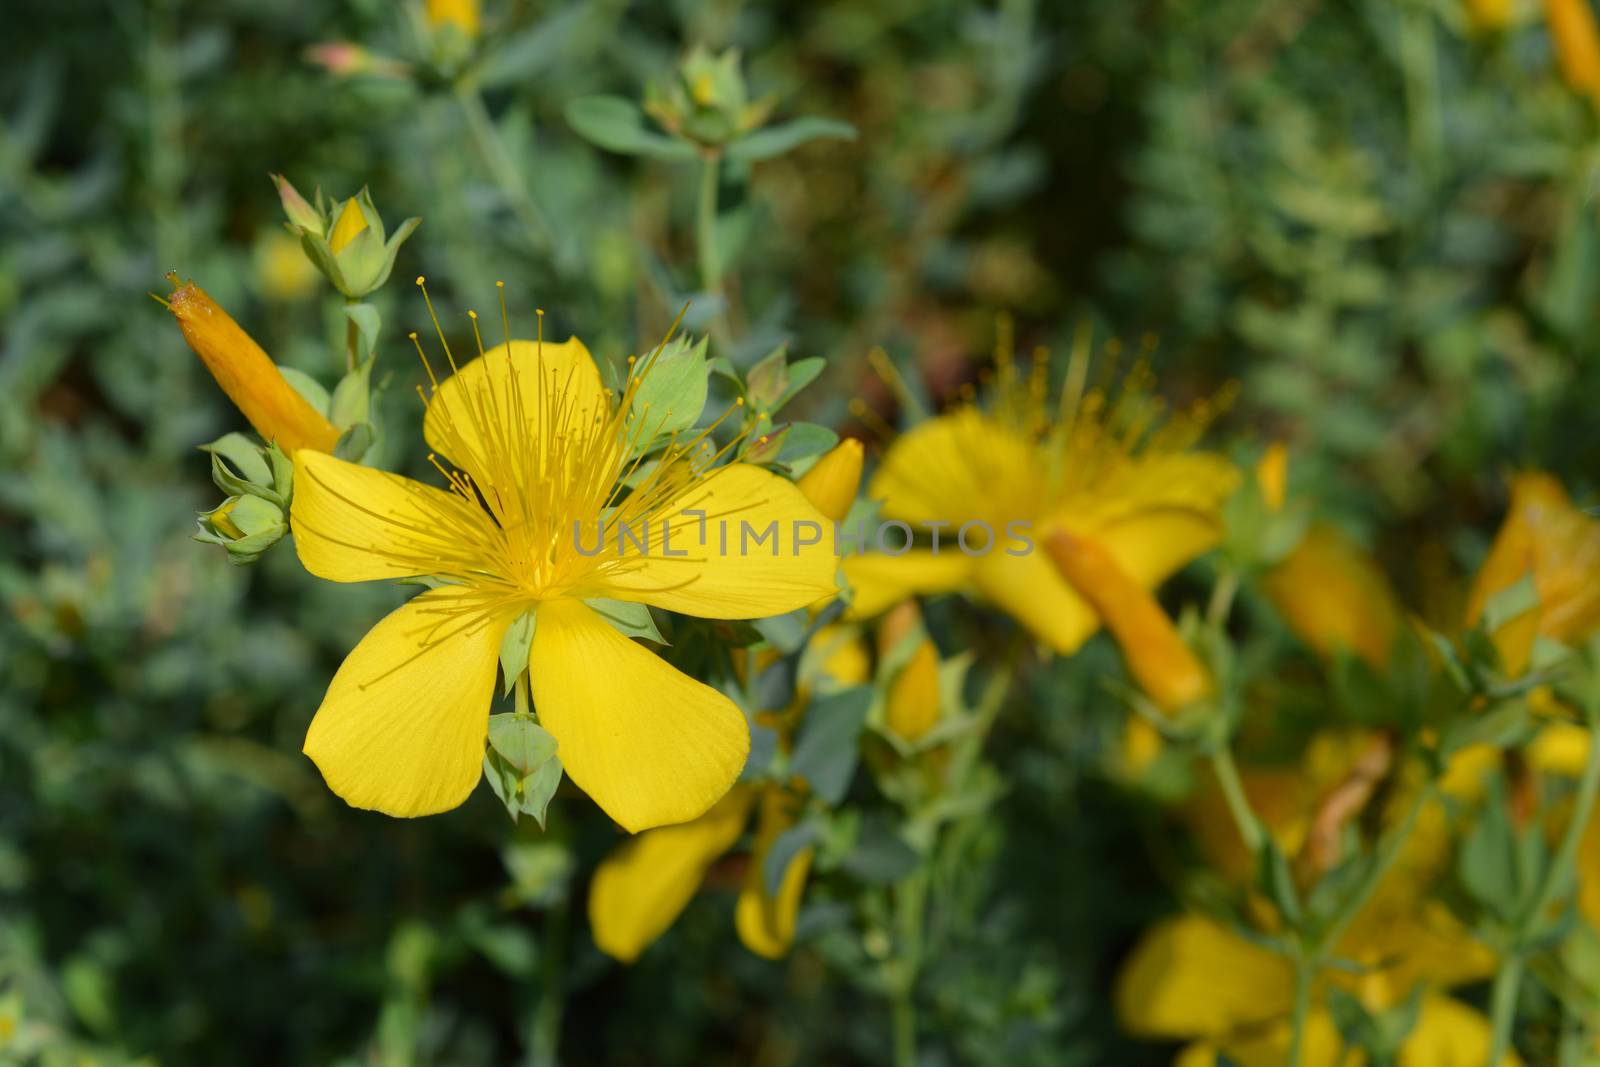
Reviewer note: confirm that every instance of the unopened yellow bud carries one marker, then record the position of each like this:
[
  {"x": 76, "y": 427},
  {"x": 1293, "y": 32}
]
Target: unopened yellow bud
[
  {"x": 1272, "y": 475},
  {"x": 462, "y": 14},
  {"x": 1335, "y": 598},
  {"x": 248, "y": 375},
  {"x": 219, "y": 518},
  {"x": 833, "y": 480},
  {"x": 1577, "y": 43},
  {"x": 1168, "y": 672},
  {"x": 913, "y": 702},
  {"x": 349, "y": 226}
]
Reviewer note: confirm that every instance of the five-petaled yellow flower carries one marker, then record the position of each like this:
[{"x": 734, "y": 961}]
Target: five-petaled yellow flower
[
  {"x": 542, "y": 456},
  {"x": 1104, "y": 468}
]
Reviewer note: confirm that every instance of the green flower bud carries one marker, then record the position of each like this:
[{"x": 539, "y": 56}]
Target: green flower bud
[{"x": 244, "y": 525}]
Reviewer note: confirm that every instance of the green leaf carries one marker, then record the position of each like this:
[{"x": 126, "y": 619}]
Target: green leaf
[
  {"x": 773, "y": 141},
  {"x": 1487, "y": 861},
  {"x": 827, "y": 748},
  {"x": 245, "y": 456},
  {"x": 514, "y": 648},
  {"x": 308, "y": 387},
  {"x": 782, "y": 853},
  {"x": 353, "y": 444},
  {"x": 629, "y": 618},
  {"x": 538, "y": 788},
  {"x": 619, "y": 125},
  {"x": 786, "y": 632},
  {"x": 881, "y": 856},
  {"x": 521, "y": 741},
  {"x": 351, "y": 402},
  {"x": 1277, "y": 881},
  {"x": 806, "y": 439},
  {"x": 801, "y": 374},
  {"x": 672, "y": 392}
]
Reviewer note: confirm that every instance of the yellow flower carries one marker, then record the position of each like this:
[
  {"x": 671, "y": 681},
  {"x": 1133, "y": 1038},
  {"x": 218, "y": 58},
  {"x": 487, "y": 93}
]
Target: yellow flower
[
  {"x": 1577, "y": 43},
  {"x": 1544, "y": 536},
  {"x": 248, "y": 375},
  {"x": 1165, "y": 668},
  {"x": 462, "y": 14},
  {"x": 532, "y": 520},
  {"x": 1195, "y": 978},
  {"x": 1335, "y": 598},
  {"x": 641, "y": 888},
  {"x": 1028, "y": 465},
  {"x": 832, "y": 481}
]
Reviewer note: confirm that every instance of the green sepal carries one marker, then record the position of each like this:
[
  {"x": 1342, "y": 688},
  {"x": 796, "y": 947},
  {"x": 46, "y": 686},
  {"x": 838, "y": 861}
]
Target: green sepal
[
  {"x": 633, "y": 620},
  {"x": 514, "y": 647}
]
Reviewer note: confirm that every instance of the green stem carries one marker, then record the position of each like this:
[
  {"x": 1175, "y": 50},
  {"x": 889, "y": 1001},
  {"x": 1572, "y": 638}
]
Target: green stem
[
  {"x": 705, "y": 239},
  {"x": 501, "y": 167},
  {"x": 352, "y": 340},
  {"x": 521, "y": 692},
  {"x": 1503, "y": 1006},
  {"x": 1572, "y": 1035},
  {"x": 910, "y": 905},
  {"x": 1305, "y": 971},
  {"x": 1227, "y": 773},
  {"x": 544, "y": 1040},
  {"x": 1388, "y": 851}
]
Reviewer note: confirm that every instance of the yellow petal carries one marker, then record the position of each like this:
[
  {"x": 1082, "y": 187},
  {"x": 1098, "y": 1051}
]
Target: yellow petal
[
  {"x": 462, "y": 14},
  {"x": 959, "y": 467},
  {"x": 649, "y": 744},
  {"x": 833, "y": 480},
  {"x": 1151, "y": 545},
  {"x": 356, "y": 524},
  {"x": 402, "y": 727},
  {"x": 1335, "y": 598},
  {"x": 766, "y": 923},
  {"x": 1322, "y": 1046},
  {"x": 351, "y": 222},
  {"x": 912, "y": 706},
  {"x": 1029, "y": 589},
  {"x": 248, "y": 376},
  {"x": 1192, "y": 977},
  {"x": 514, "y": 394},
  {"x": 1165, "y": 668},
  {"x": 1448, "y": 1033},
  {"x": 878, "y": 581},
  {"x": 1577, "y": 42},
  {"x": 641, "y": 888},
  {"x": 759, "y": 548},
  {"x": 1272, "y": 475}
]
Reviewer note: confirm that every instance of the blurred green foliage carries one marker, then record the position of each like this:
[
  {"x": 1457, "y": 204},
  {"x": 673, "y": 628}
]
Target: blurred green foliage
[{"x": 1379, "y": 221}]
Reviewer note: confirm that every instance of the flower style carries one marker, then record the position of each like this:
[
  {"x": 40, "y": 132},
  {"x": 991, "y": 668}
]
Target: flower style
[
  {"x": 546, "y": 462},
  {"x": 1194, "y": 978},
  {"x": 1106, "y": 469},
  {"x": 642, "y": 887}
]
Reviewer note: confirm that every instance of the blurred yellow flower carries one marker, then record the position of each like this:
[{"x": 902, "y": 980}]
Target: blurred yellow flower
[
  {"x": 1194, "y": 978},
  {"x": 1103, "y": 468},
  {"x": 640, "y": 889},
  {"x": 462, "y": 14},
  {"x": 1548, "y": 539},
  {"x": 540, "y": 450},
  {"x": 282, "y": 268},
  {"x": 1489, "y": 16},
  {"x": 247, "y": 374}
]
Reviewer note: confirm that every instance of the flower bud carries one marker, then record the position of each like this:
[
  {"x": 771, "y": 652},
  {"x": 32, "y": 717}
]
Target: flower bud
[
  {"x": 248, "y": 376},
  {"x": 462, "y": 14},
  {"x": 1577, "y": 43},
  {"x": 1272, "y": 475},
  {"x": 913, "y": 700},
  {"x": 302, "y": 216},
  {"x": 833, "y": 480},
  {"x": 1335, "y": 598},
  {"x": 244, "y": 525},
  {"x": 1168, "y": 672}
]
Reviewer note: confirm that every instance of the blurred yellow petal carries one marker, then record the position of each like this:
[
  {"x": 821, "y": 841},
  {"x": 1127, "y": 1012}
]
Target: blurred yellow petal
[
  {"x": 356, "y": 524},
  {"x": 1272, "y": 475},
  {"x": 649, "y": 744},
  {"x": 759, "y": 548},
  {"x": 1559, "y": 748},
  {"x": 912, "y": 704},
  {"x": 462, "y": 14},
  {"x": 1577, "y": 43},
  {"x": 1322, "y": 1046},
  {"x": 1169, "y": 673},
  {"x": 402, "y": 727},
  {"x": 248, "y": 376},
  {"x": 1030, "y": 590},
  {"x": 832, "y": 482},
  {"x": 1190, "y": 976},
  {"x": 1448, "y": 1033},
  {"x": 959, "y": 467},
  {"x": 478, "y": 413},
  {"x": 640, "y": 889},
  {"x": 766, "y": 923},
  {"x": 1335, "y": 598},
  {"x": 878, "y": 581}
]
